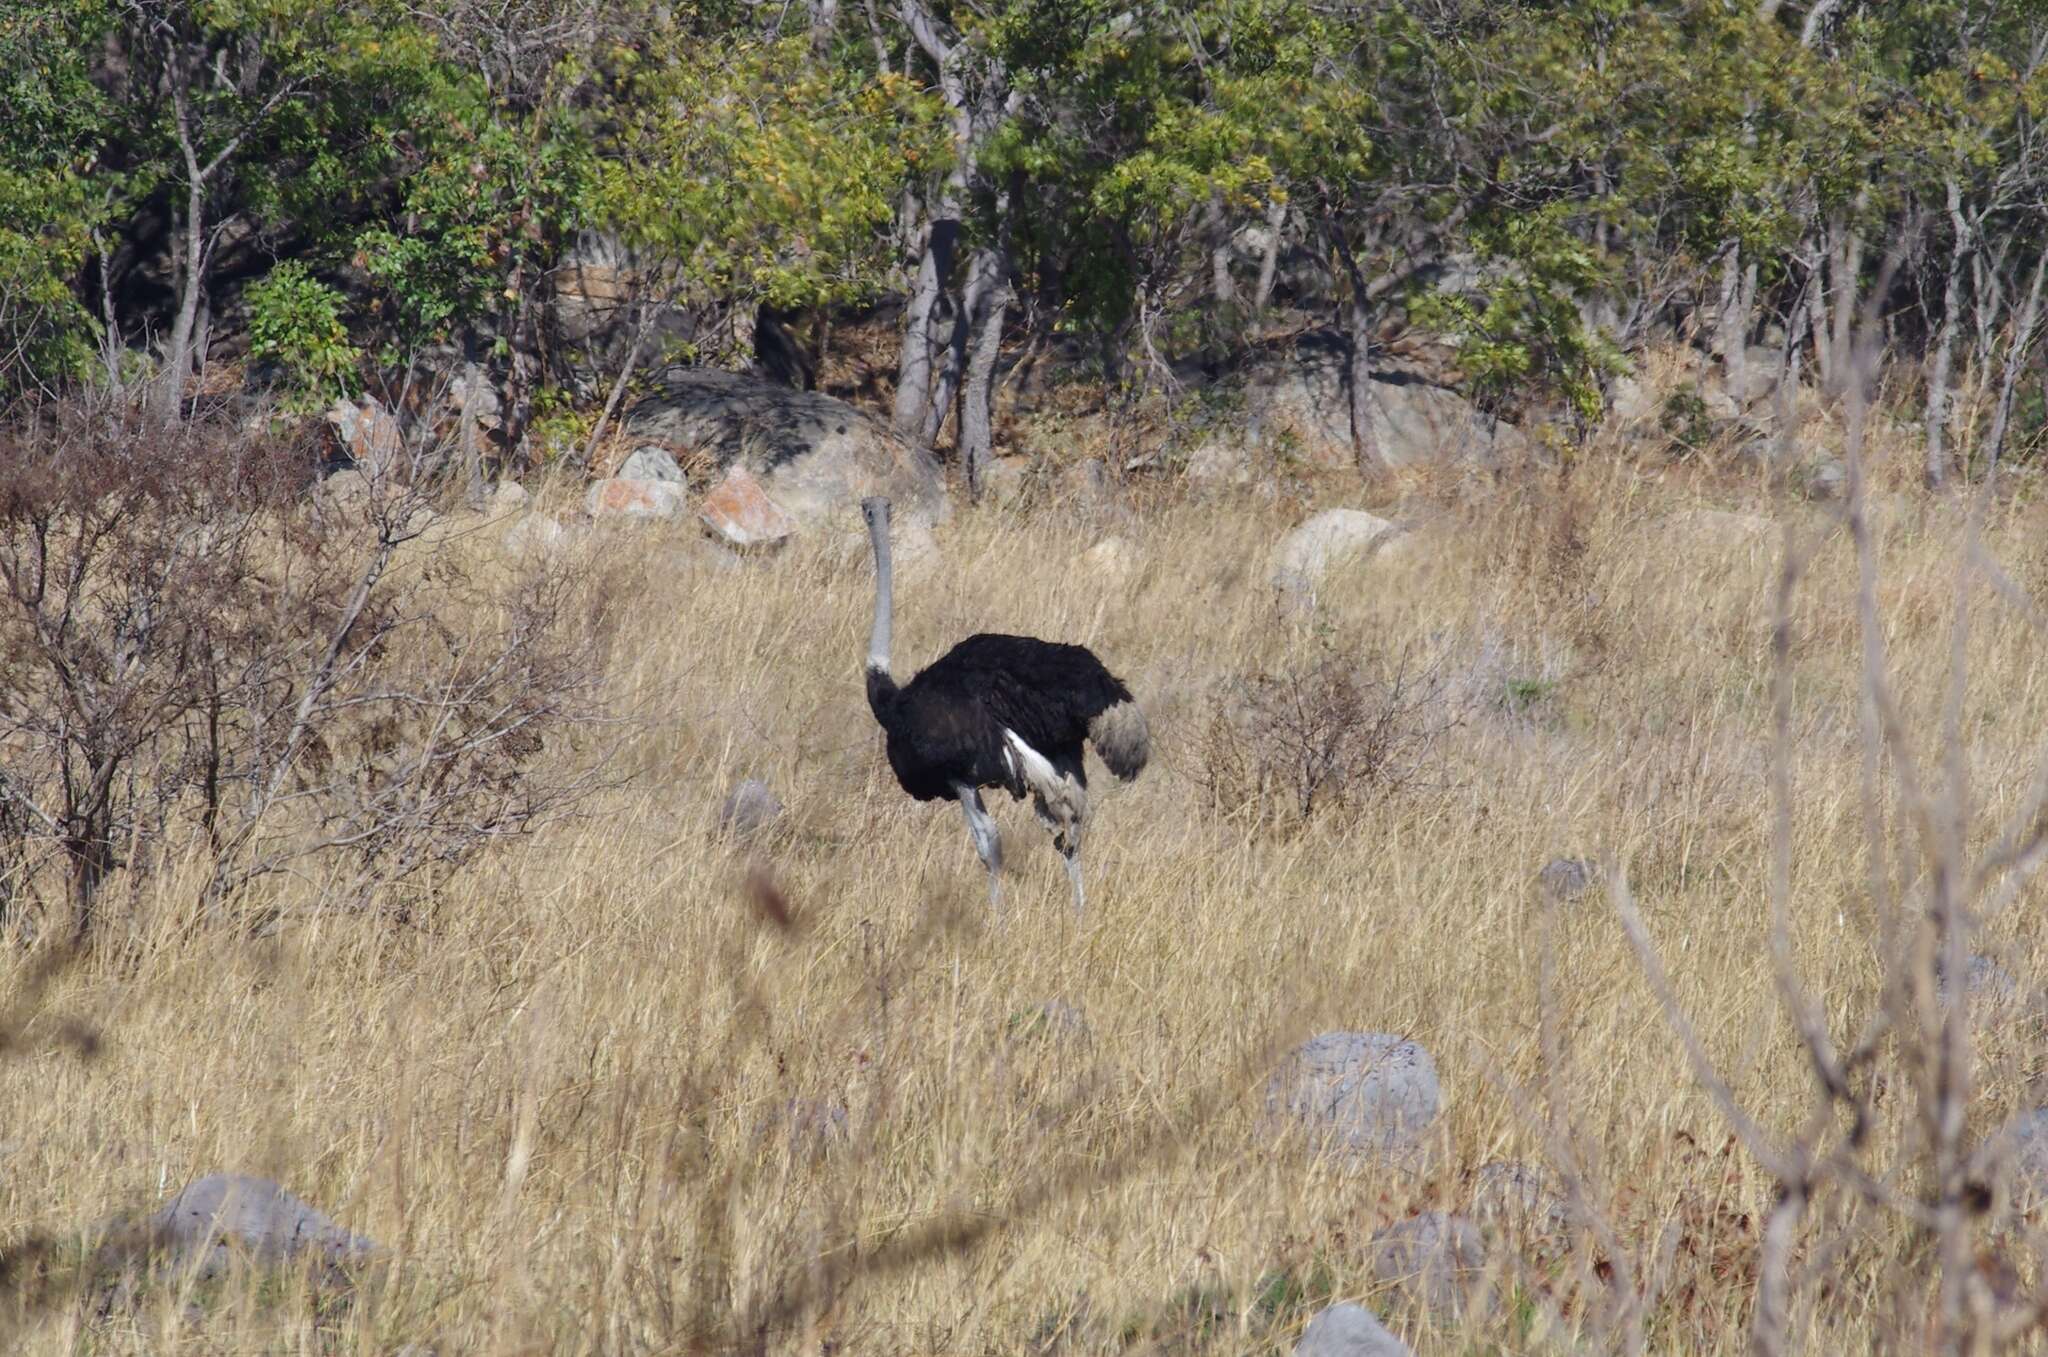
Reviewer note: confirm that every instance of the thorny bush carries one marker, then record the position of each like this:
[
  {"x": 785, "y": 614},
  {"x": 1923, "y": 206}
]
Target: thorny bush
[
  {"x": 1327, "y": 732},
  {"x": 200, "y": 659}
]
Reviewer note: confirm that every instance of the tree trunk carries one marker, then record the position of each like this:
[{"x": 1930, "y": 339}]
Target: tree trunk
[
  {"x": 977, "y": 396},
  {"x": 170, "y": 392},
  {"x": 2015, "y": 359},
  {"x": 1365, "y": 439},
  {"x": 1940, "y": 370},
  {"x": 1269, "y": 259},
  {"x": 983, "y": 274},
  {"x": 1220, "y": 282},
  {"x": 1731, "y": 324},
  {"x": 1848, "y": 268},
  {"x": 977, "y": 400},
  {"x": 915, "y": 361}
]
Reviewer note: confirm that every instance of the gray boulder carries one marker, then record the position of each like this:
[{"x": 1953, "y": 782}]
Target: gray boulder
[
  {"x": 1356, "y": 1094},
  {"x": 202, "y": 1228},
  {"x": 2023, "y": 1146},
  {"x": 651, "y": 464},
  {"x": 1989, "y": 986},
  {"x": 1437, "y": 1261},
  {"x": 1349, "y": 1330},
  {"x": 1306, "y": 400},
  {"x": 815, "y": 456},
  {"x": 1567, "y": 879},
  {"x": 1517, "y": 1199},
  {"x": 751, "y": 807},
  {"x": 1309, "y": 553}
]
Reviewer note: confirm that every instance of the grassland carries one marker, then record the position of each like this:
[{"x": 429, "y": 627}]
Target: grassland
[{"x": 572, "y": 1088}]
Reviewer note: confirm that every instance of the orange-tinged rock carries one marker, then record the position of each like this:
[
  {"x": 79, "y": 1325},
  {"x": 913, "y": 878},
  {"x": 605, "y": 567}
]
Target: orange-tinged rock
[
  {"x": 621, "y": 497},
  {"x": 741, "y": 512}
]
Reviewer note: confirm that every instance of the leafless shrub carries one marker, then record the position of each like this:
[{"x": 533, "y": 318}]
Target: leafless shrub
[
  {"x": 192, "y": 662},
  {"x": 1326, "y": 733},
  {"x": 1879, "y": 1183}
]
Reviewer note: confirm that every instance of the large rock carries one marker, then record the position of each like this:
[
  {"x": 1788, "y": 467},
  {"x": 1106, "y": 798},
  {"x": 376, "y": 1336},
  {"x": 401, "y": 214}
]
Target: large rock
[
  {"x": 214, "y": 1217},
  {"x": 1306, "y": 399},
  {"x": 1311, "y": 551},
  {"x": 1438, "y": 1261},
  {"x": 1349, "y": 1330},
  {"x": 2023, "y": 1147},
  {"x": 815, "y": 456},
  {"x": 1356, "y": 1094}
]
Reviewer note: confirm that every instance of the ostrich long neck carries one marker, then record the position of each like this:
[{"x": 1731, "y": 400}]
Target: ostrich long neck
[{"x": 878, "y": 638}]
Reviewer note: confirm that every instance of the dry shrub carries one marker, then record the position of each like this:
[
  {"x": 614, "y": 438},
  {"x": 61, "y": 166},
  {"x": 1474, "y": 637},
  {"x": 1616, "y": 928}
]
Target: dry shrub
[
  {"x": 1327, "y": 733},
  {"x": 201, "y": 665}
]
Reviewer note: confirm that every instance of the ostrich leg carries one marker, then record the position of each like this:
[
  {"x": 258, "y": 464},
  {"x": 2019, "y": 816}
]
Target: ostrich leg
[
  {"x": 987, "y": 842},
  {"x": 1068, "y": 841}
]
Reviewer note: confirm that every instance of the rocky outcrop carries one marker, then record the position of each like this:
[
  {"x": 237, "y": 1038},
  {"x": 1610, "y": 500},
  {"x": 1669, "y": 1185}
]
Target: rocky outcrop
[{"x": 814, "y": 456}]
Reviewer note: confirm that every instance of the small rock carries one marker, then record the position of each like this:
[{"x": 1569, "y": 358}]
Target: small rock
[
  {"x": 1055, "y": 1018},
  {"x": 1088, "y": 480},
  {"x": 1349, "y": 1330},
  {"x": 507, "y": 497},
  {"x": 1987, "y": 984},
  {"x": 739, "y": 510},
  {"x": 1437, "y": 1260},
  {"x": 1517, "y": 1199},
  {"x": 1306, "y": 555},
  {"x": 214, "y": 1216},
  {"x": 1112, "y": 558},
  {"x": 369, "y": 433},
  {"x": 1004, "y": 481},
  {"x": 1220, "y": 459},
  {"x": 618, "y": 498},
  {"x": 1827, "y": 480},
  {"x": 535, "y": 533},
  {"x": 751, "y": 807},
  {"x": 1357, "y": 1093},
  {"x": 347, "y": 490},
  {"x": 813, "y": 1126},
  {"x": 2025, "y": 1148},
  {"x": 1566, "y": 879},
  {"x": 651, "y": 463},
  {"x": 1631, "y": 401}
]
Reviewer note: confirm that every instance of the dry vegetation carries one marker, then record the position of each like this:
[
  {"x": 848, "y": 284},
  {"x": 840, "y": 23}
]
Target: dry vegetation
[{"x": 580, "y": 1089}]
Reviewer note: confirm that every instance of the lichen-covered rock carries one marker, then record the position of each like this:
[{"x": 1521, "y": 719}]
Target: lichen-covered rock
[{"x": 1356, "y": 1093}]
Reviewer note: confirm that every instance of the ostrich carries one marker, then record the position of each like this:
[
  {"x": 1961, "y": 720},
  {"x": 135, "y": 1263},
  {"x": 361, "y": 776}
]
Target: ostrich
[{"x": 1001, "y": 711}]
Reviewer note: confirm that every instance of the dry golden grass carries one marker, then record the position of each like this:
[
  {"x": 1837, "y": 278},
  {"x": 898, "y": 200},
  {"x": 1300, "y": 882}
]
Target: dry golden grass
[{"x": 560, "y": 1092}]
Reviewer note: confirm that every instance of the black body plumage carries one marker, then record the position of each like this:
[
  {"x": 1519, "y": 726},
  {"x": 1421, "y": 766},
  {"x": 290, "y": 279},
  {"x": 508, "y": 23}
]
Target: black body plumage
[{"x": 945, "y": 726}]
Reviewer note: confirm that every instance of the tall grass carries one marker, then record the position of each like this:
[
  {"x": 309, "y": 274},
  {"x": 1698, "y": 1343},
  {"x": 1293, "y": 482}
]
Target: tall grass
[{"x": 591, "y": 1092}]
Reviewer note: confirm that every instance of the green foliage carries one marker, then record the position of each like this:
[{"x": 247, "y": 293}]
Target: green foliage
[
  {"x": 295, "y": 321},
  {"x": 763, "y": 175},
  {"x": 51, "y": 120}
]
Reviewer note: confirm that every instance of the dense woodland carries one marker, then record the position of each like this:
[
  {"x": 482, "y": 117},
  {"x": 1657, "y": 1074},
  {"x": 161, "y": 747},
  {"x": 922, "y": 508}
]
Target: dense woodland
[{"x": 338, "y": 193}]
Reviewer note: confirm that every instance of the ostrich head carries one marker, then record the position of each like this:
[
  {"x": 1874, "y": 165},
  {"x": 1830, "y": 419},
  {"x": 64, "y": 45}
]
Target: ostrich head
[{"x": 876, "y": 511}]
